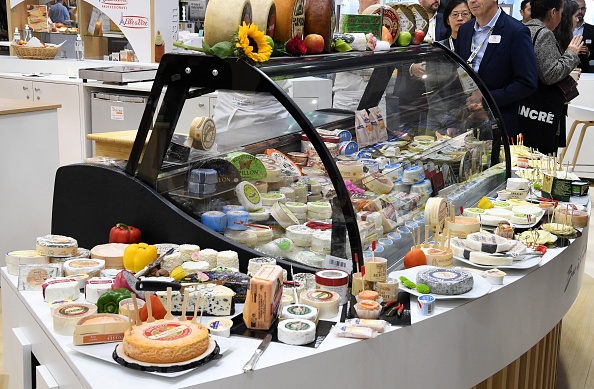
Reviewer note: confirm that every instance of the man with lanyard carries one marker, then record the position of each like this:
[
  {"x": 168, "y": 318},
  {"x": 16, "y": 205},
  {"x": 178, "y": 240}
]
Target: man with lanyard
[
  {"x": 587, "y": 31},
  {"x": 499, "y": 48}
]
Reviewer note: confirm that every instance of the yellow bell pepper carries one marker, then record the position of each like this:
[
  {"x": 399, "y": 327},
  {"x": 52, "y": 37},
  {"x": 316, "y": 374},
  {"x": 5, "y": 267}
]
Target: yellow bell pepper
[{"x": 138, "y": 255}]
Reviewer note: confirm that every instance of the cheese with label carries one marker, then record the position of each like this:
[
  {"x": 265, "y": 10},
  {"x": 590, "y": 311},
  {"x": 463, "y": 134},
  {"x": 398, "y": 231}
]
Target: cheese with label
[
  {"x": 300, "y": 311},
  {"x": 248, "y": 196},
  {"x": 260, "y": 215},
  {"x": 222, "y": 19},
  {"x": 296, "y": 331},
  {"x": 263, "y": 299},
  {"x": 90, "y": 266},
  {"x": 95, "y": 287},
  {"x": 60, "y": 288},
  {"x": 57, "y": 246},
  {"x": 326, "y": 302},
  {"x": 378, "y": 183},
  {"x": 22, "y": 257},
  {"x": 264, "y": 15},
  {"x": 203, "y": 132},
  {"x": 66, "y": 316}
]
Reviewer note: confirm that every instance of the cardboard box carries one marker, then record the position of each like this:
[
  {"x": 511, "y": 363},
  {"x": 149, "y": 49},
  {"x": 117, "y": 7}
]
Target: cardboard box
[{"x": 99, "y": 333}]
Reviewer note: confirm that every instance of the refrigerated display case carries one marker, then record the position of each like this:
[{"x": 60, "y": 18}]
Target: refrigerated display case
[{"x": 444, "y": 127}]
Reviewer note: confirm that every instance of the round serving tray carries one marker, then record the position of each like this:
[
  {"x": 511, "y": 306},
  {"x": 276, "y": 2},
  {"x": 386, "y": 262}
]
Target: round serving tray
[{"x": 211, "y": 353}]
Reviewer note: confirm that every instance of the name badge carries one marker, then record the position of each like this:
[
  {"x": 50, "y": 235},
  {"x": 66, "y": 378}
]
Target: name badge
[
  {"x": 494, "y": 38},
  {"x": 588, "y": 41}
]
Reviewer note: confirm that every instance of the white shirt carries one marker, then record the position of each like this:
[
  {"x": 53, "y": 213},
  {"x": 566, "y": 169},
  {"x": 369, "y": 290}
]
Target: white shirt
[
  {"x": 431, "y": 30},
  {"x": 579, "y": 30},
  {"x": 482, "y": 34}
]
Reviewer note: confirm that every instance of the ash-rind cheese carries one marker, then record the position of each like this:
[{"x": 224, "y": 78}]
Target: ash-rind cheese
[
  {"x": 263, "y": 299},
  {"x": 217, "y": 300},
  {"x": 296, "y": 331},
  {"x": 60, "y": 288},
  {"x": 57, "y": 246},
  {"x": 446, "y": 281}
]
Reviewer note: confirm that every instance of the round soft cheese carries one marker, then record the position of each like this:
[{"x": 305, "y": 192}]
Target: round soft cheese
[
  {"x": 264, "y": 234},
  {"x": 300, "y": 235},
  {"x": 446, "y": 281},
  {"x": 259, "y": 215},
  {"x": 66, "y": 316},
  {"x": 282, "y": 215},
  {"x": 57, "y": 246},
  {"x": 325, "y": 301},
  {"x": 60, "y": 288},
  {"x": 204, "y": 133},
  {"x": 95, "y": 287},
  {"x": 296, "y": 331},
  {"x": 228, "y": 258},
  {"x": 247, "y": 238},
  {"x": 300, "y": 311},
  {"x": 90, "y": 266},
  {"x": 248, "y": 196}
]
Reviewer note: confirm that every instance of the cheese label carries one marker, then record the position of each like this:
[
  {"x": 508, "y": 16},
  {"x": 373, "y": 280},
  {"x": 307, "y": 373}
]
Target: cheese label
[
  {"x": 320, "y": 295},
  {"x": 72, "y": 310},
  {"x": 37, "y": 277},
  {"x": 299, "y": 310},
  {"x": 167, "y": 332},
  {"x": 252, "y": 194},
  {"x": 298, "y": 19},
  {"x": 297, "y": 326}
]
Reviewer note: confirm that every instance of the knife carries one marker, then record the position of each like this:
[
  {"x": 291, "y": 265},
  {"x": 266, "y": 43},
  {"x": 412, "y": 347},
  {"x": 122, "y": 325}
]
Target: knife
[
  {"x": 154, "y": 264},
  {"x": 251, "y": 364},
  {"x": 157, "y": 286}
]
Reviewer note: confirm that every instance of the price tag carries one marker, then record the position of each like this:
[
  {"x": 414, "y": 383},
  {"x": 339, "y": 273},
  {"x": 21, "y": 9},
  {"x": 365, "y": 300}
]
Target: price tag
[{"x": 332, "y": 262}]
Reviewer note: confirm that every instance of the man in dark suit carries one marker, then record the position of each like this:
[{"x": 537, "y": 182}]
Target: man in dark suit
[
  {"x": 437, "y": 30},
  {"x": 499, "y": 48},
  {"x": 587, "y": 32}
]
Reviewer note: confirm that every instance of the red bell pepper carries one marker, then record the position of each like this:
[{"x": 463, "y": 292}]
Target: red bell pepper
[{"x": 123, "y": 233}]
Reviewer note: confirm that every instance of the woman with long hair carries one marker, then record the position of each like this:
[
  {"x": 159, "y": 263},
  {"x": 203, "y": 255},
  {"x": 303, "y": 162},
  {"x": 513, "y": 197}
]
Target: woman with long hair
[
  {"x": 554, "y": 64},
  {"x": 564, "y": 31}
]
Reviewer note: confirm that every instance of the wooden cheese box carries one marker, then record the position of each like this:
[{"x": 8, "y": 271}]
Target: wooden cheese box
[{"x": 99, "y": 333}]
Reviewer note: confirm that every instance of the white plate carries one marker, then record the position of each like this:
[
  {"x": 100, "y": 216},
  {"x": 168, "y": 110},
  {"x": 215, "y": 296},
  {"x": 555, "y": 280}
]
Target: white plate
[
  {"x": 525, "y": 264},
  {"x": 104, "y": 352},
  {"x": 481, "y": 286},
  {"x": 528, "y": 225}
]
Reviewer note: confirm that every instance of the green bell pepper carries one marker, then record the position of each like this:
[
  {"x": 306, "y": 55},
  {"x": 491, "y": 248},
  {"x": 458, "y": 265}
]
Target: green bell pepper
[{"x": 109, "y": 302}]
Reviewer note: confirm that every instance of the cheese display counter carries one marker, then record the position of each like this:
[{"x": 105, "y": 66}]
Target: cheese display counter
[{"x": 368, "y": 165}]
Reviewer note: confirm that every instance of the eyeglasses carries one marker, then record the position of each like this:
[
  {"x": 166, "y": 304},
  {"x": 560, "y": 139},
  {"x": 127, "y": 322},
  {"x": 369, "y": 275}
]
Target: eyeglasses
[{"x": 463, "y": 14}]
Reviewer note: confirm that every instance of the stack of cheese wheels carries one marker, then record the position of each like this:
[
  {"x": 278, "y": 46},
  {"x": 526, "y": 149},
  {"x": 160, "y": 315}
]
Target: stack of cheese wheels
[
  {"x": 221, "y": 21},
  {"x": 290, "y": 19},
  {"x": 318, "y": 210},
  {"x": 319, "y": 15},
  {"x": 296, "y": 331},
  {"x": 264, "y": 15},
  {"x": 325, "y": 301},
  {"x": 202, "y": 182},
  {"x": 436, "y": 212}
]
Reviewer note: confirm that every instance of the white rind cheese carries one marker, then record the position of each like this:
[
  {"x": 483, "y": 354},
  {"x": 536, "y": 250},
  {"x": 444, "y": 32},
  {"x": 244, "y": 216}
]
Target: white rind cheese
[
  {"x": 59, "y": 288},
  {"x": 300, "y": 311},
  {"x": 23, "y": 257},
  {"x": 90, "y": 266},
  {"x": 325, "y": 301},
  {"x": 228, "y": 258},
  {"x": 296, "y": 331},
  {"x": 95, "y": 287}
]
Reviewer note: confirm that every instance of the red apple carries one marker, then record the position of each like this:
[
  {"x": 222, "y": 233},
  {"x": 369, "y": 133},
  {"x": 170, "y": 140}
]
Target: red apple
[
  {"x": 418, "y": 37},
  {"x": 387, "y": 35},
  {"x": 314, "y": 43}
]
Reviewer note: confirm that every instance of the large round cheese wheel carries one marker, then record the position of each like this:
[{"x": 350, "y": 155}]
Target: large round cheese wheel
[
  {"x": 57, "y": 246},
  {"x": 223, "y": 18},
  {"x": 290, "y": 19},
  {"x": 111, "y": 253},
  {"x": 203, "y": 132},
  {"x": 391, "y": 20},
  {"x": 296, "y": 331},
  {"x": 300, "y": 311},
  {"x": 325, "y": 301},
  {"x": 264, "y": 15},
  {"x": 320, "y": 19},
  {"x": 446, "y": 281},
  {"x": 90, "y": 266},
  {"x": 23, "y": 257}
]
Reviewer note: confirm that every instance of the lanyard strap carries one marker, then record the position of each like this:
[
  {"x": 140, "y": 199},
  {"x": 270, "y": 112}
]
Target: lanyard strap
[
  {"x": 451, "y": 43},
  {"x": 478, "y": 48}
]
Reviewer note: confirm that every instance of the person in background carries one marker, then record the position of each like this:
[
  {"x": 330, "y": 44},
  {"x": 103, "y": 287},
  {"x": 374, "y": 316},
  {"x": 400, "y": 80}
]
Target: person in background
[
  {"x": 525, "y": 11},
  {"x": 58, "y": 12},
  {"x": 456, "y": 13},
  {"x": 553, "y": 63},
  {"x": 569, "y": 19},
  {"x": 437, "y": 30},
  {"x": 498, "y": 47},
  {"x": 587, "y": 32}
]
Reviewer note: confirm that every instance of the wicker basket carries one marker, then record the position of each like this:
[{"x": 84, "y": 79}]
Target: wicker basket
[{"x": 48, "y": 52}]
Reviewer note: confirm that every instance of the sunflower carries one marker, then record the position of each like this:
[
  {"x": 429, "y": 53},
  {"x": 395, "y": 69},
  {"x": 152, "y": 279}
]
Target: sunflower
[{"x": 252, "y": 44}]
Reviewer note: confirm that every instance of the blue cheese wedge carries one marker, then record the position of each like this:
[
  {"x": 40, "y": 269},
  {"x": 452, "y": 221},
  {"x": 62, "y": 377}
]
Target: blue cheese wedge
[{"x": 217, "y": 300}]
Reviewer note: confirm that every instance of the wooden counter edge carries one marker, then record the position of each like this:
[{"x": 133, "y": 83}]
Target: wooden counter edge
[{"x": 11, "y": 106}]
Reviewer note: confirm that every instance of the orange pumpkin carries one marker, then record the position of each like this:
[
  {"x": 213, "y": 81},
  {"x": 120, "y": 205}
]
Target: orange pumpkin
[{"x": 415, "y": 257}]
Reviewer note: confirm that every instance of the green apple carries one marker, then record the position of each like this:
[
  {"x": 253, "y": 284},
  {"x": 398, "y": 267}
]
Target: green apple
[{"x": 404, "y": 38}]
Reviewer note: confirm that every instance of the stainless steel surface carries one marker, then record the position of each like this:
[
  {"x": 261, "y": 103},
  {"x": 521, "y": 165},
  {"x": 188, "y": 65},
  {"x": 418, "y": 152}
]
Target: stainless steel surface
[
  {"x": 119, "y": 74},
  {"x": 251, "y": 364},
  {"x": 114, "y": 112}
]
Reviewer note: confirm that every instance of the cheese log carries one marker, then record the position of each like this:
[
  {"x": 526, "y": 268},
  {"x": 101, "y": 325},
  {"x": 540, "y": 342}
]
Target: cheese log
[
  {"x": 264, "y": 15},
  {"x": 320, "y": 19},
  {"x": 189, "y": 252},
  {"x": 325, "y": 301},
  {"x": 222, "y": 19},
  {"x": 228, "y": 258},
  {"x": 263, "y": 299},
  {"x": 290, "y": 19},
  {"x": 488, "y": 243},
  {"x": 296, "y": 331}
]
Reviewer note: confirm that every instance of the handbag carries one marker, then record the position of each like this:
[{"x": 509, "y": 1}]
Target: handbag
[{"x": 568, "y": 87}]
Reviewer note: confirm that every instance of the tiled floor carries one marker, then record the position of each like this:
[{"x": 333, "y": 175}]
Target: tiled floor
[{"x": 576, "y": 359}]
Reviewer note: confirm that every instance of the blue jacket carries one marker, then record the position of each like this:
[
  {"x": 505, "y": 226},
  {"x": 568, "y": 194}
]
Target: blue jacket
[
  {"x": 508, "y": 68},
  {"x": 441, "y": 31}
]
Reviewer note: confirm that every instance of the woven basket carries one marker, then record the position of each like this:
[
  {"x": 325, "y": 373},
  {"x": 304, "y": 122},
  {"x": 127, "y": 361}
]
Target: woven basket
[{"x": 48, "y": 52}]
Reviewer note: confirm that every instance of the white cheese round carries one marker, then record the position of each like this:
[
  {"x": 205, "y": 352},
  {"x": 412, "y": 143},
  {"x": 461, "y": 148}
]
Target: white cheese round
[
  {"x": 325, "y": 301},
  {"x": 296, "y": 331},
  {"x": 95, "y": 287},
  {"x": 56, "y": 246},
  {"x": 90, "y": 266},
  {"x": 23, "y": 257},
  {"x": 60, "y": 288},
  {"x": 228, "y": 258},
  {"x": 300, "y": 311}
]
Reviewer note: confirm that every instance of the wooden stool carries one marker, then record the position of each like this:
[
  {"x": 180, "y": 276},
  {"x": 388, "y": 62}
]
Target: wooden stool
[{"x": 584, "y": 116}]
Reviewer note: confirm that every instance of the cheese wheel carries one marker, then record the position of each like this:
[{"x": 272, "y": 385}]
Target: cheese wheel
[
  {"x": 282, "y": 215},
  {"x": 296, "y": 207},
  {"x": 255, "y": 264},
  {"x": 215, "y": 220},
  {"x": 248, "y": 196},
  {"x": 203, "y": 132},
  {"x": 300, "y": 311},
  {"x": 391, "y": 20},
  {"x": 300, "y": 235},
  {"x": 66, "y": 316},
  {"x": 325, "y": 301},
  {"x": 378, "y": 183},
  {"x": 321, "y": 241},
  {"x": 271, "y": 198},
  {"x": 577, "y": 219},
  {"x": 95, "y": 287},
  {"x": 463, "y": 226},
  {"x": 320, "y": 19},
  {"x": 90, "y": 266},
  {"x": 82, "y": 253},
  {"x": 264, "y": 234},
  {"x": 264, "y": 15},
  {"x": 57, "y": 246},
  {"x": 111, "y": 253},
  {"x": 247, "y": 238},
  {"x": 446, "y": 281},
  {"x": 288, "y": 192},
  {"x": 296, "y": 331},
  {"x": 259, "y": 215},
  {"x": 273, "y": 173},
  {"x": 22, "y": 257},
  {"x": 222, "y": 19},
  {"x": 60, "y": 288},
  {"x": 290, "y": 19}
]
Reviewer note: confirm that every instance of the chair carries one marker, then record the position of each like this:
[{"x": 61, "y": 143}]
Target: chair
[{"x": 581, "y": 115}]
